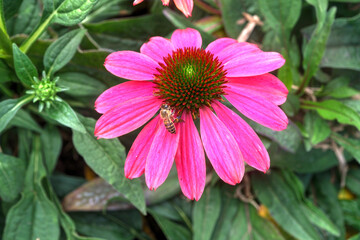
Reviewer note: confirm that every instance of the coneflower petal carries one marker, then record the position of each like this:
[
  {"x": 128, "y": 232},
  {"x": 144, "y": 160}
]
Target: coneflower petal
[
  {"x": 126, "y": 117},
  {"x": 136, "y": 158},
  {"x": 257, "y": 109},
  {"x": 190, "y": 159},
  {"x": 161, "y": 157},
  {"x": 251, "y": 147},
  {"x": 221, "y": 147}
]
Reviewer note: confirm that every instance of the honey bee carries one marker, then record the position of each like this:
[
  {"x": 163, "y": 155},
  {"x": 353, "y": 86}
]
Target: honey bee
[{"x": 167, "y": 116}]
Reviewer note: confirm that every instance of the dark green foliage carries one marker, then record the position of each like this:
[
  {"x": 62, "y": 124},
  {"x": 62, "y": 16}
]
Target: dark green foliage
[{"x": 50, "y": 159}]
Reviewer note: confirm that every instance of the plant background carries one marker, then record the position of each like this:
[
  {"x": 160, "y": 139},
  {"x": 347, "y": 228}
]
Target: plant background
[{"x": 50, "y": 160}]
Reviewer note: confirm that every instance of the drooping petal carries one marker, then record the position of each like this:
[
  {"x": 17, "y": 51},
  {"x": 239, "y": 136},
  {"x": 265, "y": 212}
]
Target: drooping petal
[
  {"x": 219, "y": 45},
  {"x": 257, "y": 109},
  {"x": 267, "y": 86},
  {"x": 185, "y": 6},
  {"x": 221, "y": 148},
  {"x": 131, "y": 65},
  {"x": 165, "y": 2},
  {"x": 190, "y": 159},
  {"x": 126, "y": 117},
  {"x": 157, "y": 48},
  {"x": 253, "y": 64},
  {"x": 189, "y": 37},
  {"x": 251, "y": 147},
  {"x": 237, "y": 50},
  {"x": 136, "y": 158},
  {"x": 136, "y": 2},
  {"x": 123, "y": 92},
  {"x": 161, "y": 157}
]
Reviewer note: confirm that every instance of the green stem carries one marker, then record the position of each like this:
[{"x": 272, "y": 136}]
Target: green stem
[
  {"x": 36, "y": 34},
  {"x": 304, "y": 83},
  {"x": 5, "y": 42},
  {"x": 207, "y": 8},
  {"x": 24, "y": 101}
]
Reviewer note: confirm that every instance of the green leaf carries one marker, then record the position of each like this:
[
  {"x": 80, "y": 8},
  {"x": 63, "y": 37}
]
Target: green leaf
[
  {"x": 80, "y": 85},
  {"x": 71, "y": 12},
  {"x": 332, "y": 109},
  {"x": 319, "y": 218},
  {"x": 10, "y": 7},
  {"x": 107, "y": 157},
  {"x": 12, "y": 171},
  {"x": 289, "y": 139},
  {"x": 343, "y": 46},
  {"x": 283, "y": 199},
  {"x": 123, "y": 225},
  {"x": 5, "y": 42},
  {"x": 350, "y": 145},
  {"x": 64, "y": 114},
  {"x": 241, "y": 221},
  {"x": 66, "y": 12},
  {"x": 315, "y": 160},
  {"x": 62, "y": 51},
  {"x": 326, "y": 197},
  {"x": 28, "y": 17},
  {"x": 9, "y": 108},
  {"x": 2, "y": 17},
  {"x": 338, "y": 88},
  {"x": 35, "y": 213},
  {"x": 315, "y": 48},
  {"x": 23, "y": 119},
  {"x": 355, "y": 237},
  {"x": 25, "y": 139},
  {"x": 51, "y": 142},
  {"x": 129, "y": 33},
  {"x": 231, "y": 12},
  {"x": 351, "y": 209},
  {"x": 108, "y": 9},
  {"x": 205, "y": 213},
  {"x": 320, "y": 7},
  {"x": 281, "y": 15},
  {"x": 292, "y": 105},
  {"x": 37, "y": 217},
  {"x": 6, "y": 73},
  {"x": 172, "y": 230},
  {"x": 180, "y": 21},
  {"x": 24, "y": 68},
  {"x": 316, "y": 128},
  {"x": 353, "y": 181}
]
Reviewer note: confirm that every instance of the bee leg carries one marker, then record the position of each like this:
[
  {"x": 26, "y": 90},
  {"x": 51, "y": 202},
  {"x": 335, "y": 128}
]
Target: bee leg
[{"x": 178, "y": 119}]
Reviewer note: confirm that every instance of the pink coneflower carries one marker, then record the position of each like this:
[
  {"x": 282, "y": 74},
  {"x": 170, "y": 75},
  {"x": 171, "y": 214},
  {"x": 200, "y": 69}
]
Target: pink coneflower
[
  {"x": 185, "y": 6},
  {"x": 193, "y": 81}
]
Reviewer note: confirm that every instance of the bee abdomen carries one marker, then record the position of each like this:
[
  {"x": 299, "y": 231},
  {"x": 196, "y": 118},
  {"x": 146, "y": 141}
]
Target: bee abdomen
[{"x": 170, "y": 126}]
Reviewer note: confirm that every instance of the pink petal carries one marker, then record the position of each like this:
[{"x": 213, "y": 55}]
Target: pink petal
[
  {"x": 165, "y": 2},
  {"x": 182, "y": 38},
  {"x": 157, "y": 48},
  {"x": 161, "y": 157},
  {"x": 221, "y": 148},
  {"x": 253, "y": 64},
  {"x": 219, "y": 45},
  {"x": 136, "y": 158},
  {"x": 131, "y": 65},
  {"x": 136, "y": 2},
  {"x": 185, "y": 6},
  {"x": 257, "y": 108},
  {"x": 237, "y": 50},
  {"x": 126, "y": 117},
  {"x": 251, "y": 147},
  {"x": 190, "y": 159},
  {"x": 267, "y": 86},
  {"x": 122, "y": 93}
]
